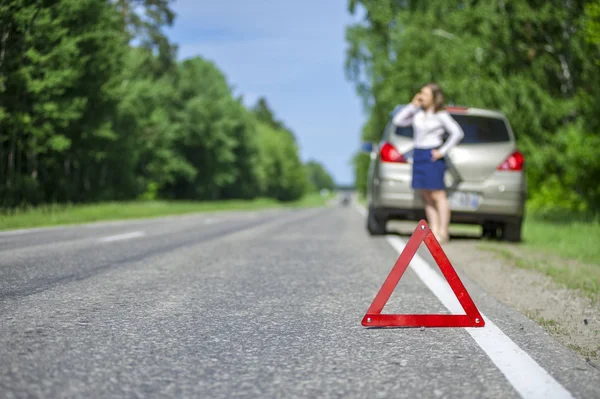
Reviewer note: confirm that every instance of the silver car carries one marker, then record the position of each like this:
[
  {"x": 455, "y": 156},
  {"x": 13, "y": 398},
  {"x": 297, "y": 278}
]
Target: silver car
[{"x": 485, "y": 177}]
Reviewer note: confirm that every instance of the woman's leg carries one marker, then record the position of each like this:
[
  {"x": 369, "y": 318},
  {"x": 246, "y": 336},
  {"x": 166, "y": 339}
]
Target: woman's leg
[
  {"x": 443, "y": 210},
  {"x": 431, "y": 213}
]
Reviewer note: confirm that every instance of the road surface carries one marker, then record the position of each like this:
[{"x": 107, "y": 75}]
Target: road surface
[{"x": 252, "y": 304}]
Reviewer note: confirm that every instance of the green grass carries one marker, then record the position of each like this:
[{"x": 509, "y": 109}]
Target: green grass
[
  {"x": 587, "y": 353},
  {"x": 566, "y": 249},
  {"x": 549, "y": 325},
  {"x": 571, "y": 238},
  {"x": 53, "y": 215}
]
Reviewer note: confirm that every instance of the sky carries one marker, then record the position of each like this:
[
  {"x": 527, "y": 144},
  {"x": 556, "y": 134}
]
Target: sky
[{"x": 293, "y": 54}]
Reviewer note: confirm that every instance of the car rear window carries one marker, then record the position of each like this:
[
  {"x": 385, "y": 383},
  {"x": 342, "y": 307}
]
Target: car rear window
[
  {"x": 478, "y": 130},
  {"x": 482, "y": 130}
]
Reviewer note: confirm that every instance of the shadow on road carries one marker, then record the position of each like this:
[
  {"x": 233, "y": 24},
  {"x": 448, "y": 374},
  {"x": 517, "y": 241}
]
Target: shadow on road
[
  {"x": 453, "y": 236},
  {"x": 457, "y": 232}
]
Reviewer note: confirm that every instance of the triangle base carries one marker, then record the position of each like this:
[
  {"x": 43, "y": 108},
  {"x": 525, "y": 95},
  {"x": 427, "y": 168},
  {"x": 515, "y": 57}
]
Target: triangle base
[{"x": 420, "y": 320}]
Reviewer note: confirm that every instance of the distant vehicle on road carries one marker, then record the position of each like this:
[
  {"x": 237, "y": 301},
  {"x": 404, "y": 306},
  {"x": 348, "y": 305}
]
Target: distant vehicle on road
[
  {"x": 345, "y": 199},
  {"x": 485, "y": 178}
]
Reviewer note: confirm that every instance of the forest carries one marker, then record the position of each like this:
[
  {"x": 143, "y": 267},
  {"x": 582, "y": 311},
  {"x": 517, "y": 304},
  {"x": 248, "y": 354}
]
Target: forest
[
  {"x": 536, "y": 61},
  {"x": 95, "y": 106}
]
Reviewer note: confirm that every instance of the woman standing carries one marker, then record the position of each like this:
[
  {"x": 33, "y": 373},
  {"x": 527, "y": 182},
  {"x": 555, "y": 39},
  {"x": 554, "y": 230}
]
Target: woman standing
[{"x": 430, "y": 120}]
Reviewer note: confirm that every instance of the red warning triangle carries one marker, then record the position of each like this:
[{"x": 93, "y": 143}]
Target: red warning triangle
[{"x": 374, "y": 318}]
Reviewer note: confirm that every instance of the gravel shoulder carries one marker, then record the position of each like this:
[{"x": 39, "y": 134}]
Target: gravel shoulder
[{"x": 567, "y": 314}]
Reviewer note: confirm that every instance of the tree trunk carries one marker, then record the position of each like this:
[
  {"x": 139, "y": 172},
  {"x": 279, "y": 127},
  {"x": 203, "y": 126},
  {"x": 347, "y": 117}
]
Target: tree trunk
[{"x": 10, "y": 164}]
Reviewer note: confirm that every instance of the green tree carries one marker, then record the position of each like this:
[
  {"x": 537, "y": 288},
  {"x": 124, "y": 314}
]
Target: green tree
[
  {"x": 58, "y": 63},
  {"x": 142, "y": 22},
  {"x": 147, "y": 121},
  {"x": 592, "y": 28},
  {"x": 251, "y": 179},
  {"x": 208, "y": 122},
  {"x": 285, "y": 174},
  {"x": 264, "y": 114},
  {"x": 318, "y": 176}
]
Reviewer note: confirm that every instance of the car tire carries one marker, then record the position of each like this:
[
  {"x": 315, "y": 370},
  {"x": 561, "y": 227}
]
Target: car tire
[
  {"x": 376, "y": 226},
  {"x": 490, "y": 231},
  {"x": 511, "y": 231}
]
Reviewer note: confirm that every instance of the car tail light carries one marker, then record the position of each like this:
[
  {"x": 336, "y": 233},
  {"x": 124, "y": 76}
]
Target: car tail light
[
  {"x": 513, "y": 162},
  {"x": 389, "y": 154},
  {"x": 457, "y": 110}
]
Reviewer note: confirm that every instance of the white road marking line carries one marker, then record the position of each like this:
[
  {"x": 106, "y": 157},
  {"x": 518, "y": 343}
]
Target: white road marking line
[
  {"x": 19, "y": 232},
  {"x": 126, "y": 236},
  {"x": 360, "y": 209},
  {"x": 528, "y": 378}
]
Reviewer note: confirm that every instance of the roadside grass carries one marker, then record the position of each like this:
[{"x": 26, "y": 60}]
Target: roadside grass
[
  {"x": 566, "y": 249},
  {"x": 550, "y": 325},
  {"x": 54, "y": 215},
  {"x": 571, "y": 237},
  {"x": 587, "y": 353},
  {"x": 362, "y": 199}
]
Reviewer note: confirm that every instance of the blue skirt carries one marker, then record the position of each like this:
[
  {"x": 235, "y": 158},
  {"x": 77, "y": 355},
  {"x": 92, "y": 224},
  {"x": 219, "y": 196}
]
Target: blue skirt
[{"x": 427, "y": 174}]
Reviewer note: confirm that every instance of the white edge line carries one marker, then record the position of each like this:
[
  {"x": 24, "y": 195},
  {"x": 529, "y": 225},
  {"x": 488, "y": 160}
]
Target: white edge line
[
  {"x": 528, "y": 378},
  {"x": 125, "y": 236},
  {"x": 361, "y": 209},
  {"x": 50, "y": 229}
]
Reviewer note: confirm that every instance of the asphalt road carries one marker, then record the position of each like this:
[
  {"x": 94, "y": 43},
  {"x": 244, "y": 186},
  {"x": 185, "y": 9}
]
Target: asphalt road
[{"x": 250, "y": 304}]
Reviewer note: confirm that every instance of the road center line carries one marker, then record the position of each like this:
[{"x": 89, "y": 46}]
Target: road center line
[
  {"x": 528, "y": 378},
  {"x": 125, "y": 236}
]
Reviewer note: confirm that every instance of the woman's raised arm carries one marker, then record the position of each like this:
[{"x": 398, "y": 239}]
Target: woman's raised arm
[{"x": 405, "y": 116}]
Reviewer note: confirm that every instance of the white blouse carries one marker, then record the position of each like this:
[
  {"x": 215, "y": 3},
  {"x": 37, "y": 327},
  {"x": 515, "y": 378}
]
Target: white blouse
[{"x": 429, "y": 127}]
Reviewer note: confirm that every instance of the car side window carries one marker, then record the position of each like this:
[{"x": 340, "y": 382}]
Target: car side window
[
  {"x": 405, "y": 131},
  {"x": 402, "y": 131}
]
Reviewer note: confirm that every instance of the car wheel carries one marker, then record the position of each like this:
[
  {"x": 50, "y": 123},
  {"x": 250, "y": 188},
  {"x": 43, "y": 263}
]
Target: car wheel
[
  {"x": 490, "y": 231},
  {"x": 512, "y": 231},
  {"x": 375, "y": 226}
]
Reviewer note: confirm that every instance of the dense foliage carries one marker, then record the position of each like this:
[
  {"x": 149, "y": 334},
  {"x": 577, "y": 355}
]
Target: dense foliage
[
  {"x": 319, "y": 177},
  {"x": 537, "y": 61},
  {"x": 87, "y": 116}
]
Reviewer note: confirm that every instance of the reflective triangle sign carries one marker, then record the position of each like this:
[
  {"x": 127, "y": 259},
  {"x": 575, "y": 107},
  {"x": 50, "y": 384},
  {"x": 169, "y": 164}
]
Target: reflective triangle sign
[{"x": 374, "y": 318}]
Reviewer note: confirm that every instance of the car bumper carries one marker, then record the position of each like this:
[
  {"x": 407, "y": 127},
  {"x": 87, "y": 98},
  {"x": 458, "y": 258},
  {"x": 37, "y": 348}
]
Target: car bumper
[{"x": 500, "y": 200}]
